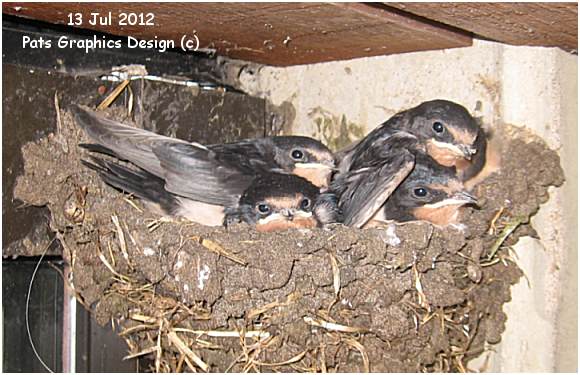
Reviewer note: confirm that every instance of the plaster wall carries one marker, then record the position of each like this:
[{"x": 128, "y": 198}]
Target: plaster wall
[{"x": 529, "y": 86}]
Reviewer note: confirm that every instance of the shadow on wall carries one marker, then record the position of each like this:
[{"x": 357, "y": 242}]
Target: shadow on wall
[{"x": 335, "y": 131}]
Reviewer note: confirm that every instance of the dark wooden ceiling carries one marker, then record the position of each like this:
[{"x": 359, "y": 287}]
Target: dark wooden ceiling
[
  {"x": 533, "y": 24},
  {"x": 299, "y": 33}
]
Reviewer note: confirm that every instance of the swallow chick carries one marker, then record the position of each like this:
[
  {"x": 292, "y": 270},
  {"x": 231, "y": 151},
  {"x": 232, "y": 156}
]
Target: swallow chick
[
  {"x": 272, "y": 202},
  {"x": 276, "y": 202},
  {"x": 444, "y": 130},
  {"x": 371, "y": 170},
  {"x": 431, "y": 192},
  {"x": 150, "y": 189},
  {"x": 367, "y": 185},
  {"x": 159, "y": 155},
  {"x": 198, "y": 181}
]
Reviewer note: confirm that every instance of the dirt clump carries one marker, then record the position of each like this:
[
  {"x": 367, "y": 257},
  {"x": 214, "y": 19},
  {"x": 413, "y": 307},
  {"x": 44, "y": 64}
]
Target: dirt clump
[{"x": 405, "y": 298}]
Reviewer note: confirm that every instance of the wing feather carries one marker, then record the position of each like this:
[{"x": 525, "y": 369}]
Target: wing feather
[
  {"x": 366, "y": 190},
  {"x": 125, "y": 142},
  {"x": 197, "y": 174}
]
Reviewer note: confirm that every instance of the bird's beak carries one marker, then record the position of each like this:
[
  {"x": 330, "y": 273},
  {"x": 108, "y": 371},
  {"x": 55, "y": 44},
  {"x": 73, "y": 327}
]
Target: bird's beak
[
  {"x": 457, "y": 199},
  {"x": 286, "y": 219},
  {"x": 287, "y": 213},
  {"x": 465, "y": 198},
  {"x": 457, "y": 151},
  {"x": 315, "y": 166},
  {"x": 467, "y": 151}
]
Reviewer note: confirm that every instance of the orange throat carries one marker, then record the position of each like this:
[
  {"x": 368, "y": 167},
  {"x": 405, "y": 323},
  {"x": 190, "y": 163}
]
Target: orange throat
[
  {"x": 441, "y": 216},
  {"x": 444, "y": 156},
  {"x": 280, "y": 225},
  {"x": 318, "y": 177}
]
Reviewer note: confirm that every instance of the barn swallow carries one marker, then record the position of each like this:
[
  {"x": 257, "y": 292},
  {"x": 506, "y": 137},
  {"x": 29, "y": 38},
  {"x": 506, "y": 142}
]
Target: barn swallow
[
  {"x": 365, "y": 188},
  {"x": 443, "y": 129},
  {"x": 215, "y": 175},
  {"x": 192, "y": 180},
  {"x": 275, "y": 202},
  {"x": 401, "y": 186},
  {"x": 202, "y": 172},
  {"x": 371, "y": 170},
  {"x": 272, "y": 202},
  {"x": 431, "y": 192}
]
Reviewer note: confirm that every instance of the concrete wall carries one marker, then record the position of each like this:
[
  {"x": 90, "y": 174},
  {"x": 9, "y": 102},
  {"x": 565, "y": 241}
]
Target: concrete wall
[{"x": 531, "y": 86}]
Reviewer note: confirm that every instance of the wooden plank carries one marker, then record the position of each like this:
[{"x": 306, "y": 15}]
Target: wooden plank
[
  {"x": 273, "y": 33},
  {"x": 535, "y": 24}
]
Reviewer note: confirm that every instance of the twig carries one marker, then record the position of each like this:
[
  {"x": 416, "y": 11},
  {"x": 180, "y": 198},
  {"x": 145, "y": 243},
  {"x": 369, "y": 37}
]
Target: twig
[
  {"x": 296, "y": 358},
  {"x": 142, "y": 352},
  {"x": 332, "y": 326},
  {"x": 113, "y": 95},
  {"x": 419, "y": 287},
  {"x": 236, "y": 334},
  {"x": 123, "y": 278},
  {"x": 509, "y": 228},
  {"x": 358, "y": 346},
  {"x": 158, "y": 348},
  {"x": 218, "y": 249},
  {"x": 132, "y": 204},
  {"x": 260, "y": 310},
  {"x": 335, "y": 274},
  {"x": 492, "y": 226},
  {"x": 121, "y": 236},
  {"x": 183, "y": 349},
  {"x": 57, "y": 108}
]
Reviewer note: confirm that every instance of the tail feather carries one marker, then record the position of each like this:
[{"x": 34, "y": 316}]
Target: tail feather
[
  {"x": 125, "y": 142},
  {"x": 93, "y": 147},
  {"x": 138, "y": 182}
]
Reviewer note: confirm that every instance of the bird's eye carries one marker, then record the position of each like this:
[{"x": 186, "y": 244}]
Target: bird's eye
[
  {"x": 438, "y": 127},
  {"x": 420, "y": 192},
  {"x": 297, "y": 154},
  {"x": 263, "y": 208},
  {"x": 305, "y": 204}
]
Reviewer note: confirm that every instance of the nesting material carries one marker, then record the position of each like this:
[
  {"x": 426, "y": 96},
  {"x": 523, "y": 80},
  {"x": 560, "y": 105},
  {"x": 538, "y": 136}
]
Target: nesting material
[{"x": 409, "y": 297}]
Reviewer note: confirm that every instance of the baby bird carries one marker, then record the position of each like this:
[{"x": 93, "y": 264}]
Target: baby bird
[{"x": 192, "y": 180}]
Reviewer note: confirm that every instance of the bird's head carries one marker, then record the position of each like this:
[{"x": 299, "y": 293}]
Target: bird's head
[
  {"x": 276, "y": 202},
  {"x": 446, "y": 129},
  {"x": 305, "y": 157},
  {"x": 431, "y": 193}
]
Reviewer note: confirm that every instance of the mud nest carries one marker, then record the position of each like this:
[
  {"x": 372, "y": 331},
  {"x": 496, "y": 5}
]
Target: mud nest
[{"x": 409, "y": 297}]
